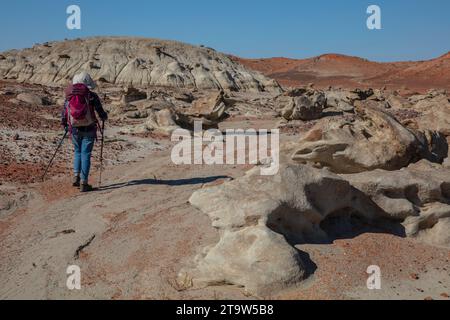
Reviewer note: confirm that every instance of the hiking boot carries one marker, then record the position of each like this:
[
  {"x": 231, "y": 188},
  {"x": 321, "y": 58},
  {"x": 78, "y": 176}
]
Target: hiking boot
[
  {"x": 76, "y": 181},
  {"x": 84, "y": 187}
]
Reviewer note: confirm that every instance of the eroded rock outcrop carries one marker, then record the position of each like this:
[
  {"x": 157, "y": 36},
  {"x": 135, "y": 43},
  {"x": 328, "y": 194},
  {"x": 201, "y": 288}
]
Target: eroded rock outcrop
[
  {"x": 211, "y": 107},
  {"x": 134, "y": 62},
  {"x": 370, "y": 139},
  {"x": 418, "y": 195},
  {"x": 339, "y": 101},
  {"x": 163, "y": 116},
  {"x": 210, "y": 110},
  {"x": 260, "y": 217},
  {"x": 299, "y": 105},
  {"x": 435, "y": 112}
]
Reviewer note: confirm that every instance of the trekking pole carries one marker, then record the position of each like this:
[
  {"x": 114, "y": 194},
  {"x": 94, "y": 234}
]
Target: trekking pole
[
  {"x": 53, "y": 158},
  {"x": 101, "y": 153}
]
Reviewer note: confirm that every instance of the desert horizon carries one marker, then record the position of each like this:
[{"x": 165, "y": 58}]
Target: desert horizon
[
  {"x": 254, "y": 56},
  {"x": 335, "y": 69}
]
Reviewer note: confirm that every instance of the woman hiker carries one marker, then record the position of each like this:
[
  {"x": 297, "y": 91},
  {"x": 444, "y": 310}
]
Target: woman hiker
[{"x": 79, "y": 118}]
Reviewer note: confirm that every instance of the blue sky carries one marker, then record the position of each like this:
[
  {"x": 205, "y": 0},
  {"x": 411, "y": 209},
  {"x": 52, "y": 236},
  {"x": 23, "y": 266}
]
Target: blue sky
[{"x": 412, "y": 29}]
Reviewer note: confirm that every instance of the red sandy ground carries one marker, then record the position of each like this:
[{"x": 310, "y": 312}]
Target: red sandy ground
[
  {"x": 343, "y": 266},
  {"x": 20, "y": 118},
  {"x": 26, "y": 116}
]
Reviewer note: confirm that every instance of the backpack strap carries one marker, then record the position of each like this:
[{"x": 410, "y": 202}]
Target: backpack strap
[
  {"x": 68, "y": 115},
  {"x": 92, "y": 111}
]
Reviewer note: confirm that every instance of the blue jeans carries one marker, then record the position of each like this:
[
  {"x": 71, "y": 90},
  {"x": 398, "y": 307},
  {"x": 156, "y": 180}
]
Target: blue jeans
[{"x": 83, "y": 145}]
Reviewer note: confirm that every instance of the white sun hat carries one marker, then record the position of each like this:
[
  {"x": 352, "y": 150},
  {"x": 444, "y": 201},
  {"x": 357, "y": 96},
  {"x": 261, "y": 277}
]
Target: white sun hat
[{"x": 84, "y": 78}]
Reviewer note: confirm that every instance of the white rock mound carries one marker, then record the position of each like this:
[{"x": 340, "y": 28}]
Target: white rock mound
[{"x": 134, "y": 62}]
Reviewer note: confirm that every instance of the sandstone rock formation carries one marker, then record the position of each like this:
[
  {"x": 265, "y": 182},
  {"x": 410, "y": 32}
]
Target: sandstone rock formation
[
  {"x": 397, "y": 102},
  {"x": 435, "y": 112},
  {"x": 261, "y": 219},
  {"x": 132, "y": 61},
  {"x": 132, "y": 94},
  {"x": 210, "y": 110},
  {"x": 418, "y": 195},
  {"x": 163, "y": 121},
  {"x": 253, "y": 214},
  {"x": 304, "y": 106},
  {"x": 211, "y": 107},
  {"x": 164, "y": 116},
  {"x": 369, "y": 140},
  {"x": 339, "y": 101},
  {"x": 31, "y": 99}
]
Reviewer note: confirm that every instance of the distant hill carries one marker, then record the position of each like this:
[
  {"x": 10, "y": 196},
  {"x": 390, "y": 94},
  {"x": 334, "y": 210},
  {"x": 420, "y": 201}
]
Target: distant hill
[{"x": 347, "y": 71}]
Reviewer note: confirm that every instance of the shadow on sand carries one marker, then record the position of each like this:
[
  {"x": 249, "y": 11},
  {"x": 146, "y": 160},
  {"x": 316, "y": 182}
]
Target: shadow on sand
[
  {"x": 341, "y": 225},
  {"x": 173, "y": 183}
]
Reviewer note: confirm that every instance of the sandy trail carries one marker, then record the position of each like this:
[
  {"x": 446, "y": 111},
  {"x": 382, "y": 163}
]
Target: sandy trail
[{"x": 142, "y": 229}]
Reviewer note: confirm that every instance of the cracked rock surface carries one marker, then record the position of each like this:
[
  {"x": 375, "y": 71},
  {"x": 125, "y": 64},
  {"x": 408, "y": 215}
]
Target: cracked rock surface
[{"x": 132, "y": 61}]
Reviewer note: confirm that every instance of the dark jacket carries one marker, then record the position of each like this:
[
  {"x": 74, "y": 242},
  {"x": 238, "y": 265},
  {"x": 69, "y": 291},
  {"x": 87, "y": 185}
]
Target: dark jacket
[{"x": 95, "y": 102}]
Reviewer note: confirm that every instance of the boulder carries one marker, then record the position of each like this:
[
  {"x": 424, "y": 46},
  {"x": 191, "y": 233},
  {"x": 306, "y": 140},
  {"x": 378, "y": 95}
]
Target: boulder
[
  {"x": 418, "y": 195},
  {"x": 398, "y": 102},
  {"x": 30, "y": 98},
  {"x": 160, "y": 121},
  {"x": 368, "y": 140},
  {"x": 308, "y": 106},
  {"x": 210, "y": 110},
  {"x": 212, "y": 107},
  {"x": 435, "y": 112},
  {"x": 163, "y": 121},
  {"x": 338, "y": 101},
  {"x": 133, "y": 94}
]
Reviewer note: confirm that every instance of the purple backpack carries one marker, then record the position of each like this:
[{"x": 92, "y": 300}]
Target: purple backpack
[{"x": 79, "y": 111}]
